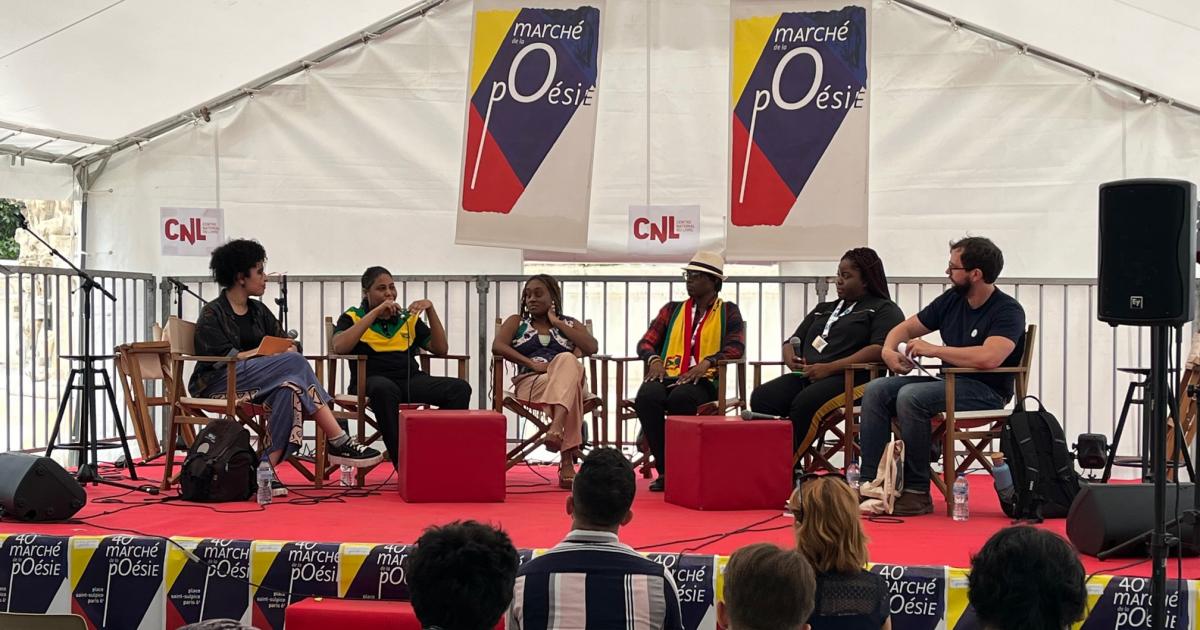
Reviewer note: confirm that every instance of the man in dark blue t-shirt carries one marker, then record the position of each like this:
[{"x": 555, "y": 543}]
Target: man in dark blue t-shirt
[{"x": 981, "y": 327}]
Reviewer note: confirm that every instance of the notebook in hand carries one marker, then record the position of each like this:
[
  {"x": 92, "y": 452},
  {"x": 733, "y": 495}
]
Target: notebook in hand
[{"x": 272, "y": 345}]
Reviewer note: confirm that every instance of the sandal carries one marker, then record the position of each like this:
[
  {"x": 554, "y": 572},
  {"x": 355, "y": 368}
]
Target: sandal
[
  {"x": 566, "y": 480},
  {"x": 553, "y": 441}
]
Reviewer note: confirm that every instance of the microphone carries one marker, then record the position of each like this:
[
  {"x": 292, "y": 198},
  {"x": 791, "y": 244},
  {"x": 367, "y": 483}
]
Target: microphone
[
  {"x": 292, "y": 334},
  {"x": 797, "y": 346},
  {"x": 754, "y": 415}
]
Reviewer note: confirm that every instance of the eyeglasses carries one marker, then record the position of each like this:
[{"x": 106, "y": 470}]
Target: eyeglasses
[
  {"x": 794, "y": 508},
  {"x": 953, "y": 268},
  {"x": 688, "y": 275}
]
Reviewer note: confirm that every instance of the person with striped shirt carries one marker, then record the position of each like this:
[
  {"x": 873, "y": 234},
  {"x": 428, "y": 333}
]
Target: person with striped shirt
[{"x": 590, "y": 580}]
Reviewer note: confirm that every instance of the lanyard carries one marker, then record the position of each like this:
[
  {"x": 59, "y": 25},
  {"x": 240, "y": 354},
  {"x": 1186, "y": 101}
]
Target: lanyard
[
  {"x": 835, "y": 315},
  {"x": 693, "y": 346}
]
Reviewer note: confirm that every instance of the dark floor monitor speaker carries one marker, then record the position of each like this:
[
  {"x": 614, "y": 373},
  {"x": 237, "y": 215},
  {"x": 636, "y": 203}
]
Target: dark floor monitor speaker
[
  {"x": 36, "y": 488},
  {"x": 1147, "y": 251},
  {"x": 1105, "y": 515}
]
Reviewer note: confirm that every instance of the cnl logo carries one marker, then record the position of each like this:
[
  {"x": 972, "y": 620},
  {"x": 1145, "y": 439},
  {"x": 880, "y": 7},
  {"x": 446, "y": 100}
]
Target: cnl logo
[
  {"x": 662, "y": 231},
  {"x": 178, "y": 231}
]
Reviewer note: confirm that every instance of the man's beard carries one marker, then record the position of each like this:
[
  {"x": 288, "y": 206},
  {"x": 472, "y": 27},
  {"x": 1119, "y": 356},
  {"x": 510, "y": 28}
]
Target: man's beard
[{"x": 961, "y": 289}]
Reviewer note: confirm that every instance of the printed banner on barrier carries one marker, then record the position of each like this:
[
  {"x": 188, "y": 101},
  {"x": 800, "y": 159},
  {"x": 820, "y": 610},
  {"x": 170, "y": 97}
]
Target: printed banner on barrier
[
  {"x": 288, "y": 572},
  {"x": 530, "y": 124},
  {"x": 1123, "y": 603},
  {"x": 37, "y": 569},
  {"x": 800, "y": 120},
  {"x": 916, "y": 595},
  {"x": 695, "y": 578},
  {"x": 117, "y": 581},
  {"x": 217, "y": 587}
]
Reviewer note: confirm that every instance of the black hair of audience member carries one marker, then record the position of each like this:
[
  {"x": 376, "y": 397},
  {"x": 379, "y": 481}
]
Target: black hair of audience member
[
  {"x": 603, "y": 491},
  {"x": 980, "y": 253},
  {"x": 767, "y": 588},
  {"x": 237, "y": 256},
  {"x": 461, "y": 575},
  {"x": 1027, "y": 579}
]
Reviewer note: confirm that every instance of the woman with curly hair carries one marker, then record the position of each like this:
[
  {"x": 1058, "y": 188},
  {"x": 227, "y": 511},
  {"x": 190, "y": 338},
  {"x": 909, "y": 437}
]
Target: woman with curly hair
[
  {"x": 233, "y": 325},
  {"x": 830, "y": 534},
  {"x": 546, "y": 347}
]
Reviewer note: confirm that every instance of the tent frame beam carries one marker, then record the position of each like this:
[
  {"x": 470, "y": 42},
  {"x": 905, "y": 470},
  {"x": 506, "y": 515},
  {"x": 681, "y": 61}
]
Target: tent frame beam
[{"x": 202, "y": 112}]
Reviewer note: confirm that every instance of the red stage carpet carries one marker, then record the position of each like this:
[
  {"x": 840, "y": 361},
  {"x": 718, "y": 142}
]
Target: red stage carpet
[{"x": 534, "y": 516}]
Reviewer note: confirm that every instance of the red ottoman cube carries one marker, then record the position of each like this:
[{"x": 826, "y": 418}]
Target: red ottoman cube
[
  {"x": 320, "y": 614},
  {"x": 720, "y": 463},
  {"x": 425, "y": 437}
]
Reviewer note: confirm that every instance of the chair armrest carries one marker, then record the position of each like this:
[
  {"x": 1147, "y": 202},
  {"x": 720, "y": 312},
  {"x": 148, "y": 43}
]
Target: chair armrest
[
  {"x": 767, "y": 363},
  {"x": 731, "y": 361},
  {"x": 865, "y": 366},
  {"x": 999, "y": 370},
  {"x": 199, "y": 357},
  {"x": 452, "y": 357},
  {"x": 609, "y": 357},
  {"x": 344, "y": 357}
]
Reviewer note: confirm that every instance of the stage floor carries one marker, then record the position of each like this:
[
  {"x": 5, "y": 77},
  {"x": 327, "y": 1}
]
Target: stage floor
[{"x": 534, "y": 515}]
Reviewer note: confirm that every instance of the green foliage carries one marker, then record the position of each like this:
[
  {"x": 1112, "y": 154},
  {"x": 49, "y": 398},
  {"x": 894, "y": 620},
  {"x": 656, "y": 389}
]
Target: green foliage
[{"x": 9, "y": 249}]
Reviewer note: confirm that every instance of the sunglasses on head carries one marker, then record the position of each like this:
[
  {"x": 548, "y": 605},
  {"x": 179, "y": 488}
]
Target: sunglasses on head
[{"x": 797, "y": 509}]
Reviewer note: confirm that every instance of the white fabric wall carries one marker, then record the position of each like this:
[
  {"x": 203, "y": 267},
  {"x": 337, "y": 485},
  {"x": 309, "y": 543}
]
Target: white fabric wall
[
  {"x": 358, "y": 161},
  {"x": 34, "y": 180}
]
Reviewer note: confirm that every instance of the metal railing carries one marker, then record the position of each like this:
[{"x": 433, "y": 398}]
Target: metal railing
[
  {"x": 42, "y": 324},
  {"x": 1074, "y": 372}
]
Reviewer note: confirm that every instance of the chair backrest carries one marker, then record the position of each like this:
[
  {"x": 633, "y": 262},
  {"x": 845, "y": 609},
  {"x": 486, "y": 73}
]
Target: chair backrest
[
  {"x": 1022, "y": 384},
  {"x": 181, "y": 334}
]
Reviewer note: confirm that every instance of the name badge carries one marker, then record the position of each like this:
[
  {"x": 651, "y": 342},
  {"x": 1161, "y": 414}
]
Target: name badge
[{"x": 819, "y": 343}]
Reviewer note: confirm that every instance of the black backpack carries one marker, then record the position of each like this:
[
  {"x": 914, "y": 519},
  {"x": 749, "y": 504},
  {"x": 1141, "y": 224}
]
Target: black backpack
[
  {"x": 1044, "y": 478},
  {"x": 220, "y": 466}
]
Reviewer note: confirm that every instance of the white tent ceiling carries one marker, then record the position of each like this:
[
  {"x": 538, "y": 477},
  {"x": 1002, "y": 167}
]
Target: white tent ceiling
[{"x": 77, "y": 76}]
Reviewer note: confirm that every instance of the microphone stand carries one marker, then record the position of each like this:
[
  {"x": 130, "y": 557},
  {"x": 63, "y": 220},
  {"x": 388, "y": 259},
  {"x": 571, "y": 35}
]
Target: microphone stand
[
  {"x": 282, "y": 300},
  {"x": 180, "y": 289},
  {"x": 88, "y": 445}
]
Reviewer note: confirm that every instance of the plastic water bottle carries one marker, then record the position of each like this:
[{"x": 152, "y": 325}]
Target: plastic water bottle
[
  {"x": 852, "y": 476},
  {"x": 265, "y": 475},
  {"x": 347, "y": 476},
  {"x": 1002, "y": 478},
  {"x": 961, "y": 511}
]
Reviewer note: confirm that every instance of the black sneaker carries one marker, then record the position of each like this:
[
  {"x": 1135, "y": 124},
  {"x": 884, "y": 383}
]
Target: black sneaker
[
  {"x": 278, "y": 489},
  {"x": 352, "y": 453},
  {"x": 658, "y": 485}
]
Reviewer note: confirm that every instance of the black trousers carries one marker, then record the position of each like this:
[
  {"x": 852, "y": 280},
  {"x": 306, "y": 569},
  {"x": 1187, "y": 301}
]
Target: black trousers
[
  {"x": 799, "y": 399},
  {"x": 657, "y": 399},
  {"x": 386, "y": 393}
]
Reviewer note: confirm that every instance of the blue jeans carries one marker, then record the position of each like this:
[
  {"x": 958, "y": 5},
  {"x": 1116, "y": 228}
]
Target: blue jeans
[{"x": 913, "y": 401}]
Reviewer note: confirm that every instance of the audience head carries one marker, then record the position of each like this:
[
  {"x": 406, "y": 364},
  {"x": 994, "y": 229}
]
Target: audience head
[
  {"x": 239, "y": 263},
  {"x": 767, "y": 588},
  {"x": 377, "y": 287},
  {"x": 860, "y": 272},
  {"x": 541, "y": 293},
  {"x": 828, "y": 530},
  {"x": 974, "y": 260},
  {"x": 1028, "y": 579},
  {"x": 704, "y": 274},
  {"x": 602, "y": 492},
  {"x": 461, "y": 575}
]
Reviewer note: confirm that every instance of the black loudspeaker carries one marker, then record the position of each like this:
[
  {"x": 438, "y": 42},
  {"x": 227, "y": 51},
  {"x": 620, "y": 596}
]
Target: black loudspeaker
[
  {"x": 1106, "y": 515},
  {"x": 1147, "y": 249},
  {"x": 36, "y": 488}
]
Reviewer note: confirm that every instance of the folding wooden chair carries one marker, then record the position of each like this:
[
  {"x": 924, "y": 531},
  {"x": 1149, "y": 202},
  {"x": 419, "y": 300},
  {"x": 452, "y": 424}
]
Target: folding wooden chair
[
  {"x": 624, "y": 409},
  {"x": 355, "y": 406},
  {"x": 503, "y": 398},
  {"x": 974, "y": 430},
  {"x": 843, "y": 408},
  {"x": 189, "y": 410},
  {"x": 138, "y": 363}
]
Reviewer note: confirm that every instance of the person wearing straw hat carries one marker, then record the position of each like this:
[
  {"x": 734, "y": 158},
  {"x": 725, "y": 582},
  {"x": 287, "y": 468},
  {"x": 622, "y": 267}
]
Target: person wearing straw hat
[{"x": 681, "y": 350}]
